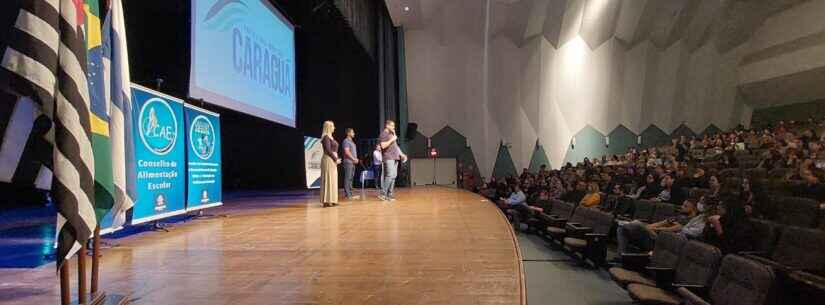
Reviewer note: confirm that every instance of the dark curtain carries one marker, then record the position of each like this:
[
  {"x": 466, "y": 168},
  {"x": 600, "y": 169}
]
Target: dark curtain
[
  {"x": 387, "y": 67},
  {"x": 362, "y": 19}
]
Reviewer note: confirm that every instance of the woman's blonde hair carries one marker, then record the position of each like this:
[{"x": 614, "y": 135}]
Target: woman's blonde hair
[
  {"x": 593, "y": 187},
  {"x": 329, "y": 127}
]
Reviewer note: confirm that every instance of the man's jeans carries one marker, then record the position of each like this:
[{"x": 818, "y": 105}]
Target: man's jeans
[
  {"x": 349, "y": 174},
  {"x": 388, "y": 181}
]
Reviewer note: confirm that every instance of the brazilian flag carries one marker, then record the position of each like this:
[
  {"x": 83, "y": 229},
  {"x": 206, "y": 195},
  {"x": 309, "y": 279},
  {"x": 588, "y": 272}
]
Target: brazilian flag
[{"x": 101, "y": 143}]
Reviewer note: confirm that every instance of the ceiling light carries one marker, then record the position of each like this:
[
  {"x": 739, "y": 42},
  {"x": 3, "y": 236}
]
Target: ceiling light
[{"x": 406, "y": 8}]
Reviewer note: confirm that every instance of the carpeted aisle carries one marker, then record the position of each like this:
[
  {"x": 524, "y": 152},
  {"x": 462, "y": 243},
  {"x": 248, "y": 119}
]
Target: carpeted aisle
[{"x": 555, "y": 278}]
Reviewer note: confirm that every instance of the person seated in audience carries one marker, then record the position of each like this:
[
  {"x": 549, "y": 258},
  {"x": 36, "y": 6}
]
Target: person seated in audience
[
  {"x": 729, "y": 159},
  {"x": 698, "y": 179},
  {"x": 690, "y": 223},
  {"x": 576, "y": 194},
  {"x": 753, "y": 199},
  {"x": 730, "y": 229},
  {"x": 516, "y": 198},
  {"x": 555, "y": 187},
  {"x": 607, "y": 183},
  {"x": 593, "y": 196},
  {"x": 668, "y": 193},
  {"x": 773, "y": 160},
  {"x": 650, "y": 190}
]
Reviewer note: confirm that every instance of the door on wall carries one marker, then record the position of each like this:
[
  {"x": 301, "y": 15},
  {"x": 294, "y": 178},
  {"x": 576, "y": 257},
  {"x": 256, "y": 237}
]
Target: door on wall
[{"x": 428, "y": 171}]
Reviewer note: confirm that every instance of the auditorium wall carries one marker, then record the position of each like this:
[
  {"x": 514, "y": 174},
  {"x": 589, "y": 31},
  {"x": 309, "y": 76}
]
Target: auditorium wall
[
  {"x": 785, "y": 62},
  {"x": 570, "y": 75}
]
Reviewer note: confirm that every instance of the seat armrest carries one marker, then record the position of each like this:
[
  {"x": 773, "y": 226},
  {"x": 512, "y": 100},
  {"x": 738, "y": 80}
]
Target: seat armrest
[
  {"x": 663, "y": 276},
  {"x": 765, "y": 261},
  {"x": 690, "y": 298},
  {"x": 700, "y": 290},
  {"x": 809, "y": 279},
  {"x": 556, "y": 220},
  {"x": 635, "y": 261},
  {"x": 576, "y": 230},
  {"x": 752, "y": 253},
  {"x": 596, "y": 237}
]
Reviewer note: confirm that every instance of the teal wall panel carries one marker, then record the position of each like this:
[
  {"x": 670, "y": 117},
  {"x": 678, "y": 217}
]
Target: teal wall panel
[
  {"x": 654, "y": 137},
  {"x": 590, "y": 143},
  {"x": 448, "y": 142},
  {"x": 467, "y": 159},
  {"x": 682, "y": 130},
  {"x": 504, "y": 166},
  {"x": 538, "y": 158},
  {"x": 417, "y": 147},
  {"x": 621, "y": 140},
  {"x": 710, "y": 130}
]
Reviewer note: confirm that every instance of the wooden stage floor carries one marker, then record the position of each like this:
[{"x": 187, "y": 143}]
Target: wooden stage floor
[{"x": 435, "y": 245}]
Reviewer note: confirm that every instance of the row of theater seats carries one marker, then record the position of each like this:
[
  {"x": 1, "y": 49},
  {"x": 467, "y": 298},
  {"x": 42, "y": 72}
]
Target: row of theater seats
[{"x": 787, "y": 266}]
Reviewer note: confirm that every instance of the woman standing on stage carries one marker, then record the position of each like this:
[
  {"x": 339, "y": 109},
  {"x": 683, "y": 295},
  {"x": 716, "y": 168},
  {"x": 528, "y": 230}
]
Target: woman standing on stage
[{"x": 329, "y": 167}]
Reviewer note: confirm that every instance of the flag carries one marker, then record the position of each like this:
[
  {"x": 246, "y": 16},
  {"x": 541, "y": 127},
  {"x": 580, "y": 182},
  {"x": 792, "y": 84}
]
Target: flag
[
  {"x": 99, "y": 116},
  {"x": 23, "y": 147},
  {"x": 46, "y": 60},
  {"x": 116, "y": 63}
]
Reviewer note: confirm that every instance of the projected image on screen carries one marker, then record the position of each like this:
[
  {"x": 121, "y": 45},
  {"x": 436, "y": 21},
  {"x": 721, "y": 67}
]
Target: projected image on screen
[{"x": 243, "y": 58}]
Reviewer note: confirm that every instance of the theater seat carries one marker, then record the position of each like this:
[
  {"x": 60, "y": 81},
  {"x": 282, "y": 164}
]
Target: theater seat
[
  {"x": 756, "y": 174},
  {"x": 767, "y": 234},
  {"x": 562, "y": 213},
  {"x": 778, "y": 173},
  {"x": 626, "y": 277},
  {"x": 643, "y": 210},
  {"x": 696, "y": 268},
  {"x": 590, "y": 241},
  {"x": 740, "y": 282},
  {"x": 665, "y": 255},
  {"x": 650, "y": 295},
  {"x": 663, "y": 211},
  {"x": 798, "y": 249},
  {"x": 797, "y": 211}
]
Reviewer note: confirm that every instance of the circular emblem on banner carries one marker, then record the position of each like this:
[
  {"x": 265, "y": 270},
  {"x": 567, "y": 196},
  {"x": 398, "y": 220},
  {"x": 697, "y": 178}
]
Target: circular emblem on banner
[
  {"x": 202, "y": 137},
  {"x": 158, "y": 126}
]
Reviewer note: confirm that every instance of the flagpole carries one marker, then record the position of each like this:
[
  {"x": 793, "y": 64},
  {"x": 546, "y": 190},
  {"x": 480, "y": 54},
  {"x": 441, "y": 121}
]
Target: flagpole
[
  {"x": 96, "y": 260},
  {"x": 81, "y": 274},
  {"x": 65, "y": 288}
]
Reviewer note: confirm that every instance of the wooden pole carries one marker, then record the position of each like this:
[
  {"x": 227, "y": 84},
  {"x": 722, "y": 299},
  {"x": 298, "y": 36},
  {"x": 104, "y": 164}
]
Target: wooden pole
[
  {"x": 96, "y": 260},
  {"x": 81, "y": 275},
  {"x": 65, "y": 286}
]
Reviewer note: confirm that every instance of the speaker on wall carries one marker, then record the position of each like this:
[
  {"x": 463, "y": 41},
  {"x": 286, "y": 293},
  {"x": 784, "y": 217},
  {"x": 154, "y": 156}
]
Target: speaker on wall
[{"x": 412, "y": 129}]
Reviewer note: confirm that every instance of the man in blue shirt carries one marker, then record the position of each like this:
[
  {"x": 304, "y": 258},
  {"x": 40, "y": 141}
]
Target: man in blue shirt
[{"x": 349, "y": 162}]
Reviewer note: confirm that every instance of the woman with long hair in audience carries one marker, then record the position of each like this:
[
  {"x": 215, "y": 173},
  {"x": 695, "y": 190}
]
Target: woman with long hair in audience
[
  {"x": 752, "y": 196},
  {"x": 556, "y": 189},
  {"x": 650, "y": 189},
  {"x": 731, "y": 230},
  {"x": 592, "y": 198}
]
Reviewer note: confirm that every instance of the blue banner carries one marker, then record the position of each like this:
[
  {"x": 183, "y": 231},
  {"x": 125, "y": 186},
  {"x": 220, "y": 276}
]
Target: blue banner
[
  {"x": 203, "y": 155},
  {"x": 159, "y": 155}
]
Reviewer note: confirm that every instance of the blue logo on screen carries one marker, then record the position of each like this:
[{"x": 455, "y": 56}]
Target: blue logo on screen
[
  {"x": 225, "y": 14},
  {"x": 202, "y": 137},
  {"x": 158, "y": 126}
]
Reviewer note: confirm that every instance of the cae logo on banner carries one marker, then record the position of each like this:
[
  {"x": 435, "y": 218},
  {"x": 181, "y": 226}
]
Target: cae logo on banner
[
  {"x": 158, "y": 126},
  {"x": 202, "y": 137}
]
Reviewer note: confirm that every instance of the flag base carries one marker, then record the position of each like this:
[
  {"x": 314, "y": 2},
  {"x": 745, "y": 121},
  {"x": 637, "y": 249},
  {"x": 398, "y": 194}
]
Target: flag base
[{"x": 101, "y": 298}]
